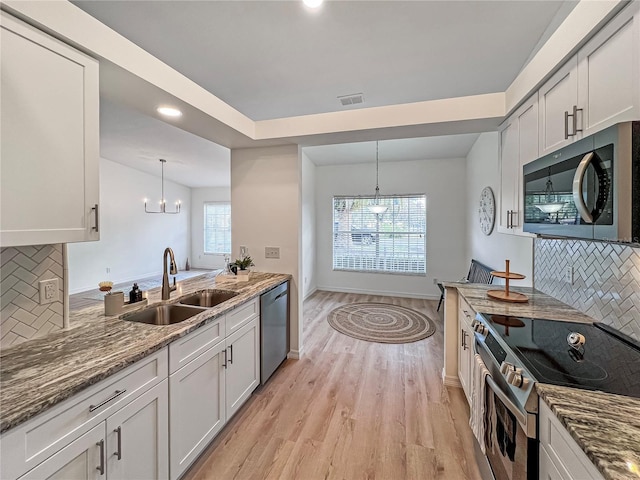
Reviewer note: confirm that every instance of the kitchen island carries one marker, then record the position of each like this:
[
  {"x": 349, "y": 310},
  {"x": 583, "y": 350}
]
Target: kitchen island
[{"x": 40, "y": 373}]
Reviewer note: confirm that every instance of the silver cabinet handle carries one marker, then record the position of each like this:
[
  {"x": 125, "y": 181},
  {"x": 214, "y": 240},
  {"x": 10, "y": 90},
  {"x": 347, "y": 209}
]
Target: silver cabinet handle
[
  {"x": 100, "y": 467},
  {"x": 224, "y": 363},
  {"x": 575, "y": 119},
  {"x": 97, "y": 216},
  {"x": 464, "y": 340},
  {"x": 118, "y": 432},
  {"x": 231, "y": 354},
  {"x": 116, "y": 394},
  {"x": 566, "y": 125},
  {"x": 578, "y": 179},
  {"x": 513, "y": 214}
]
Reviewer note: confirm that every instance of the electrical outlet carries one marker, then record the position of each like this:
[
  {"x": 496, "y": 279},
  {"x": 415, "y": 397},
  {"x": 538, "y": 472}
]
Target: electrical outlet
[
  {"x": 48, "y": 291},
  {"x": 271, "y": 252},
  {"x": 568, "y": 274}
]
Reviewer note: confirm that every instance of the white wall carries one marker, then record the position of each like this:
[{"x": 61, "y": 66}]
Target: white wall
[
  {"x": 199, "y": 196},
  {"x": 483, "y": 170},
  {"x": 131, "y": 241},
  {"x": 309, "y": 283},
  {"x": 266, "y": 211},
  {"x": 442, "y": 181}
]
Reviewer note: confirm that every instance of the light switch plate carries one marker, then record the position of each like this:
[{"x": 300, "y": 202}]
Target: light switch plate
[
  {"x": 48, "y": 291},
  {"x": 271, "y": 252}
]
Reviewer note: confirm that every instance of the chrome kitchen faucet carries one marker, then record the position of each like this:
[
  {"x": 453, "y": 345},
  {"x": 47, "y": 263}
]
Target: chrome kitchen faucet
[{"x": 173, "y": 270}]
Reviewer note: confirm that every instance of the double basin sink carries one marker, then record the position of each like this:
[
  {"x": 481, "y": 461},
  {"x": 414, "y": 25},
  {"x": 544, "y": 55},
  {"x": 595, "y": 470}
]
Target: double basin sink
[{"x": 186, "y": 308}]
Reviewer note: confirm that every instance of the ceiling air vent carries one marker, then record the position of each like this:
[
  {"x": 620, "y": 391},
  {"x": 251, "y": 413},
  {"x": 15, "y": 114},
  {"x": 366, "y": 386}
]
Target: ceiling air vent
[{"x": 353, "y": 99}]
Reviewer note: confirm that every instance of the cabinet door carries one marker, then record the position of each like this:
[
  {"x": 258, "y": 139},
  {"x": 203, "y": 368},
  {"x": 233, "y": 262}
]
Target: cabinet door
[
  {"x": 609, "y": 73},
  {"x": 556, "y": 98},
  {"x": 527, "y": 119},
  {"x": 548, "y": 471},
  {"x": 138, "y": 437},
  {"x": 82, "y": 459},
  {"x": 243, "y": 373},
  {"x": 50, "y": 135},
  {"x": 508, "y": 171},
  {"x": 197, "y": 407},
  {"x": 465, "y": 337}
]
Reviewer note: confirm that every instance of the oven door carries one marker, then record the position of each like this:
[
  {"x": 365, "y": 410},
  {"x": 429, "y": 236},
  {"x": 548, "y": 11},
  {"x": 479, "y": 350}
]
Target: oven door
[{"x": 511, "y": 454}]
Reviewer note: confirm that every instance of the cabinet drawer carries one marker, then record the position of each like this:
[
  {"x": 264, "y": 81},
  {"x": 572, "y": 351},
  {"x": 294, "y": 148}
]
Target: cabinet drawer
[
  {"x": 563, "y": 451},
  {"x": 465, "y": 312},
  {"x": 193, "y": 344},
  {"x": 32, "y": 442},
  {"x": 241, "y": 315}
]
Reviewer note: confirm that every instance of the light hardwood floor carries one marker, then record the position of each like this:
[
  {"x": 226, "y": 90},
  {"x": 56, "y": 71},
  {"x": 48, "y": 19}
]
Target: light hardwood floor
[{"x": 349, "y": 410}]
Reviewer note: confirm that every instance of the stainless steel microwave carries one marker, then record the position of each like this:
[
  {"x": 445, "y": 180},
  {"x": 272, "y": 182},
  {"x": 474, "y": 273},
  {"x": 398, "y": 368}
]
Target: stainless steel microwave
[{"x": 589, "y": 189}]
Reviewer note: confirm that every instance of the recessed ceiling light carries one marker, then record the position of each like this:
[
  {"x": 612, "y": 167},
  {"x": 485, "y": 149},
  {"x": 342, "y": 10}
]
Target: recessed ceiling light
[
  {"x": 313, "y": 3},
  {"x": 169, "y": 111}
]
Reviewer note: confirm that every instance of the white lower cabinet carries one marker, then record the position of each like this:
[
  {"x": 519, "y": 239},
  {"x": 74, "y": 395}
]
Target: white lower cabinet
[
  {"x": 208, "y": 390},
  {"x": 138, "y": 437},
  {"x": 465, "y": 346},
  {"x": 243, "y": 366},
  {"x": 82, "y": 459},
  {"x": 560, "y": 455},
  {"x": 131, "y": 444},
  {"x": 197, "y": 398}
]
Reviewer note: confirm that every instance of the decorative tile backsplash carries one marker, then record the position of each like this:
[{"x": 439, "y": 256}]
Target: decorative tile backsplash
[
  {"x": 606, "y": 279},
  {"x": 21, "y": 314}
]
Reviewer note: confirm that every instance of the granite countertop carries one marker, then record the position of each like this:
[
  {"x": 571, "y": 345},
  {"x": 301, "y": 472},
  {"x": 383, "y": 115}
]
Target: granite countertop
[
  {"x": 39, "y": 373},
  {"x": 605, "y": 426},
  {"x": 540, "y": 305}
]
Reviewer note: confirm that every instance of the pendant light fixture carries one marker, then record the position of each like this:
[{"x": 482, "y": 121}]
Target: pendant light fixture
[
  {"x": 163, "y": 201},
  {"x": 376, "y": 207}
]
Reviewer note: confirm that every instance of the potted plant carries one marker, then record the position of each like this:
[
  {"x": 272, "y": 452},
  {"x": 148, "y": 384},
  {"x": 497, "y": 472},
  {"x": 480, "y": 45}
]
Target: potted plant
[{"x": 241, "y": 265}]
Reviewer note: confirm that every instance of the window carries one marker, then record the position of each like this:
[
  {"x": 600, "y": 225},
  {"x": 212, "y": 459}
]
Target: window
[
  {"x": 393, "y": 241},
  {"x": 217, "y": 228}
]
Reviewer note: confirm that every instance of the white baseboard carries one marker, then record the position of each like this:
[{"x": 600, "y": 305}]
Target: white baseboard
[
  {"x": 383, "y": 293},
  {"x": 450, "y": 381},
  {"x": 314, "y": 290},
  {"x": 294, "y": 354}
]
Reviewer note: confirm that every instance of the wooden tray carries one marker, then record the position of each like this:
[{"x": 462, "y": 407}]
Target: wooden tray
[{"x": 506, "y": 295}]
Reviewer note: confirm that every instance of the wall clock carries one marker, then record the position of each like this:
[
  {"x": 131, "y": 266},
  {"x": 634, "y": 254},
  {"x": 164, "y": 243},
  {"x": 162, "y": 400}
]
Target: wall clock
[{"x": 487, "y": 210}]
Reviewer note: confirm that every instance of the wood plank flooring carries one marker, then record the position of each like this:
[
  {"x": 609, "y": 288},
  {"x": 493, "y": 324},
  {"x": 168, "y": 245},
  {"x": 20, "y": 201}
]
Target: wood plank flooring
[{"x": 349, "y": 410}]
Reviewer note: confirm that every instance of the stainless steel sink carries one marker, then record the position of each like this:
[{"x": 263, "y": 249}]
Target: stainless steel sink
[
  {"x": 208, "y": 298},
  {"x": 164, "y": 314}
]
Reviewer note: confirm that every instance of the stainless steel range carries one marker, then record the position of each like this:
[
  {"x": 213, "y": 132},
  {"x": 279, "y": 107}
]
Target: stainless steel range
[{"x": 520, "y": 351}]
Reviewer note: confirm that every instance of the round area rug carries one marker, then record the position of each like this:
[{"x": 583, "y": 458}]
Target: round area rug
[{"x": 381, "y": 322}]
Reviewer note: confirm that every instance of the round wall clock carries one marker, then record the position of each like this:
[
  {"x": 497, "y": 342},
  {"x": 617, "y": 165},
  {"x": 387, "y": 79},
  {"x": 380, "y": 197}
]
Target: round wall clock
[{"x": 487, "y": 210}]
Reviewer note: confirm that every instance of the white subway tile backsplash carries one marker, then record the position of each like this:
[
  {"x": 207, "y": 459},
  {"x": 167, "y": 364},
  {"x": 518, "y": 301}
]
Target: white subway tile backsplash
[
  {"x": 22, "y": 315},
  {"x": 606, "y": 279}
]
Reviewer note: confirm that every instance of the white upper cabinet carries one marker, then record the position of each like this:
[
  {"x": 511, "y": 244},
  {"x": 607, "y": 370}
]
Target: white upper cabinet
[
  {"x": 557, "y": 99},
  {"x": 50, "y": 139},
  {"x": 609, "y": 73},
  {"x": 518, "y": 146},
  {"x": 597, "y": 88}
]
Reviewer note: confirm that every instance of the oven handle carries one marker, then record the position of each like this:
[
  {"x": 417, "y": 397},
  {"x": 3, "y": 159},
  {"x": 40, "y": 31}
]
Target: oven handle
[
  {"x": 522, "y": 419},
  {"x": 498, "y": 391}
]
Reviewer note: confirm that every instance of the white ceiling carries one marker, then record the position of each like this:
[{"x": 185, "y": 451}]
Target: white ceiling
[
  {"x": 139, "y": 141},
  {"x": 273, "y": 59}
]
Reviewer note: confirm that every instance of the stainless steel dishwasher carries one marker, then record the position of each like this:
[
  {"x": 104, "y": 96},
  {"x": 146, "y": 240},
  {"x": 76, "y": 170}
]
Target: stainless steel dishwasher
[{"x": 274, "y": 330}]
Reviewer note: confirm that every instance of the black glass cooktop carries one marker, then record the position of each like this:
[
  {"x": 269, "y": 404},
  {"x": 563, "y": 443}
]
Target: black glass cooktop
[{"x": 604, "y": 362}]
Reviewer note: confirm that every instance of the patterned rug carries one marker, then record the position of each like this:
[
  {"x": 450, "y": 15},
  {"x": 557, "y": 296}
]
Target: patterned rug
[{"x": 381, "y": 322}]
